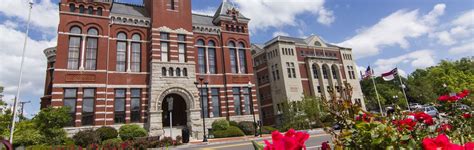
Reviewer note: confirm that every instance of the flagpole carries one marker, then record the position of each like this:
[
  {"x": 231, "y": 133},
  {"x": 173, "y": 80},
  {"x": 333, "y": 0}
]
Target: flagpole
[
  {"x": 12, "y": 129},
  {"x": 377, "y": 93},
  {"x": 403, "y": 89}
]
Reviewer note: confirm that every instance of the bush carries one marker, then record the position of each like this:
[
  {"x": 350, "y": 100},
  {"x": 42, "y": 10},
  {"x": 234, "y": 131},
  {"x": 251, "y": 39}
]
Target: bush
[
  {"x": 233, "y": 123},
  {"x": 106, "y": 132},
  {"x": 131, "y": 131},
  {"x": 268, "y": 129},
  {"x": 115, "y": 142},
  {"x": 144, "y": 143},
  {"x": 166, "y": 141},
  {"x": 86, "y": 137},
  {"x": 248, "y": 127},
  {"x": 229, "y": 132},
  {"x": 220, "y": 124}
]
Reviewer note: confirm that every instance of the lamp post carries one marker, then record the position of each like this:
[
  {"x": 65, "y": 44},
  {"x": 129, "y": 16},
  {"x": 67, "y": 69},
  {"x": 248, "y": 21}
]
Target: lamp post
[
  {"x": 170, "y": 109},
  {"x": 252, "y": 109},
  {"x": 201, "y": 79}
]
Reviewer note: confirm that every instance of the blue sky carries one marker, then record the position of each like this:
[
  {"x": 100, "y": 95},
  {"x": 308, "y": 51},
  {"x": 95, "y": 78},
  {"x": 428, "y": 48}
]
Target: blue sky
[{"x": 385, "y": 34}]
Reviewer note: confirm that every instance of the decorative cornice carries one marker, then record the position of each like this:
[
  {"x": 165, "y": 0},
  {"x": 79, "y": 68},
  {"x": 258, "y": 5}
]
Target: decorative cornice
[
  {"x": 50, "y": 54},
  {"x": 169, "y": 30},
  {"x": 206, "y": 29}
]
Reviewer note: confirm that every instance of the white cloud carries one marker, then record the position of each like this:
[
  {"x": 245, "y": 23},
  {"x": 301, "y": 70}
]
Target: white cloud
[
  {"x": 460, "y": 28},
  {"x": 393, "y": 30},
  {"x": 281, "y": 33},
  {"x": 464, "y": 49},
  {"x": 279, "y": 13},
  {"x": 210, "y": 11},
  {"x": 416, "y": 59},
  {"x": 44, "y": 14}
]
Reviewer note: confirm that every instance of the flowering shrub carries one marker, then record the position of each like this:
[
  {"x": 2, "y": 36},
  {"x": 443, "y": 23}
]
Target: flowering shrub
[{"x": 454, "y": 129}]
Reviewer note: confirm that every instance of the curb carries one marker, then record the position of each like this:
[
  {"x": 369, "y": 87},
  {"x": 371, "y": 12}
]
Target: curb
[{"x": 197, "y": 143}]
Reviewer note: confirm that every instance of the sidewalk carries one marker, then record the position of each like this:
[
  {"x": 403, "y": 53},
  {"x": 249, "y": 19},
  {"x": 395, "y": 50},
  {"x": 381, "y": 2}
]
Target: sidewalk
[{"x": 240, "y": 139}]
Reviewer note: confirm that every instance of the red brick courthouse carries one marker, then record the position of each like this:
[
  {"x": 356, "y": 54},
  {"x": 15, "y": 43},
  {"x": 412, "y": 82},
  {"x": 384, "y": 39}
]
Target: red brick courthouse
[{"x": 118, "y": 63}]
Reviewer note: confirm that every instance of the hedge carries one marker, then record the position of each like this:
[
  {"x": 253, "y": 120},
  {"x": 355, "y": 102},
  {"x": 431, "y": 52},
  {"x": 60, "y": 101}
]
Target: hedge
[
  {"x": 86, "y": 137},
  {"x": 131, "y": 131},
  {"x": 231, "y": 131},
  {"x": 221, "y": 124},
  {"x": 248, "y": 127},
  {"x": 268, "y": 129},
  {"x": 106, "y": 132}
]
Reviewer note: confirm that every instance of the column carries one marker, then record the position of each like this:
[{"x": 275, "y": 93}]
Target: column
[{"x": 83, "y": 49}]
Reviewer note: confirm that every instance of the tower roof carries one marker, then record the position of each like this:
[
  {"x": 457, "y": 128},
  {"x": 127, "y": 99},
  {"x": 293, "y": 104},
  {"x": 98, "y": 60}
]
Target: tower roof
[{"x": 225, "y": 9}]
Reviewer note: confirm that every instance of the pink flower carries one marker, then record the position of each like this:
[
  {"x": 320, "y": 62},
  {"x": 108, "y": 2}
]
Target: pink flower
[{"x": 291, "y": 141}]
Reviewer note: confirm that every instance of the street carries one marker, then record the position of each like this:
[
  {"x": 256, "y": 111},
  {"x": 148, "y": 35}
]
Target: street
[{"x": 311, "y": 143}]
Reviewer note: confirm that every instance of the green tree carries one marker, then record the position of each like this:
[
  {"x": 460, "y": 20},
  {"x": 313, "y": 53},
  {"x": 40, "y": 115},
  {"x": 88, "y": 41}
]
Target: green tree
[
  {"x": 386, "y": 89},
  {"x": 26, "y": 134},
  {"x": 50, "y": 122},
  {"x": 304, "y": 114}
]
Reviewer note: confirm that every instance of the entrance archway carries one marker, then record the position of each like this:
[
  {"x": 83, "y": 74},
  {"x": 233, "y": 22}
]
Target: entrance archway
[{"x": 179, "y": 111}]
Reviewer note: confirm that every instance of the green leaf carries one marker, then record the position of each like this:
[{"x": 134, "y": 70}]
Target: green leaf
[
  {"x": 377, "y": 141},
  {"x": 405, "y": 137}
]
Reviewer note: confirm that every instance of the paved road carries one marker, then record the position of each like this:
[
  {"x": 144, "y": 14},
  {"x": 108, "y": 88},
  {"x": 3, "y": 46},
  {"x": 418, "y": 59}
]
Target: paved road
[{"x": 313, "y": 141}]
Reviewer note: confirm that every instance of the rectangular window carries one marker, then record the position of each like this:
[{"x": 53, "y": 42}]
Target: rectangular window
[
  {"x": 136, "y": 57},
  {"x": 164, "y": 46},
  {"x": 233, "y": 60},
  {"x": 212, "y": 60},
  {"x": 135, "y": 105},
  {"x": 70, "y": 98},
  {"x": 119, "y": 106},
  {"x": 319, "y": 89},
  {"x": 182, "y": 48},
  {"x": 91, "y": 54},
  {"x": 247, "y": 100},
  {"x": 88, "y": 107},
  {"x": 164, "y": 52},
  {"x": 293, "y": 70},
  {"x": 242, "y": 61},
  {"x": 236, "y": 94},
  {"x": 205, "y": 102},
  {"x": 202, "y": 60},
  {"x": 215, "y": 102},
  {"x": 74, "y": 51},
  {"x": 121, "y": 56},
  {"x": 172, "y": 3}
]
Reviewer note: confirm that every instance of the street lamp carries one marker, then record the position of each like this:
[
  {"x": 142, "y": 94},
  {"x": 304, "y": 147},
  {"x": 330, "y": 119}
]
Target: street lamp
[
  {"x": 170, "y": 109},
  {"x": 252, "y": 109},
  {"x": 201, "y": 79}
]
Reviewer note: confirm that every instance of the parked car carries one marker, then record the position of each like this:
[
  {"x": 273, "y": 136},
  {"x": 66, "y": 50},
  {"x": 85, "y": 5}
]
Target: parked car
[
  {"x": 415, "y": 106},
  {"x": 430, "y": 110},
  {"x": 463, "y": 107}
]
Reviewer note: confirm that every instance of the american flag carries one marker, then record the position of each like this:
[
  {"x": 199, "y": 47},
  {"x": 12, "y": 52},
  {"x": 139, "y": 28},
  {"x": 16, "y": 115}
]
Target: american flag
[{"x": 368, "y": 73}]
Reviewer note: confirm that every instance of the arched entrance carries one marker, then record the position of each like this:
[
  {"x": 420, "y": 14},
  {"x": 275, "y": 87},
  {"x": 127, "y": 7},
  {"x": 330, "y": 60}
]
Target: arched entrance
[{"x": 179, "y": 111}]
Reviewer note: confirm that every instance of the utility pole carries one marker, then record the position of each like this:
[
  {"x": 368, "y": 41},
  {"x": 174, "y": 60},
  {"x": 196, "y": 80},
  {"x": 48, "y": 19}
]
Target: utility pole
[
  {"x": 12, "y": 129},
  {"x": 22, "y": 106}
]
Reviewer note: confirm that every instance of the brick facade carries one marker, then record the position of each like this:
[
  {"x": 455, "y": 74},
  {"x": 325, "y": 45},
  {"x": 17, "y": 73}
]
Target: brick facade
[{"x": 152, "y": 48}]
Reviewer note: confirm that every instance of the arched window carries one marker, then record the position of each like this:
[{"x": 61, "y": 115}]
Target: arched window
[
  {"x": 233, "y": 57},
  {"x": 81, "y": 9},
  {"x": 178, "y": 72},
  {"x": 136, "y": 37},
  {"x": 201, "y": 56},
  {"x": 334, "y": 72},
  {"x": 90, "y": 10},
  {"x": 92, "y": 31},
  {"x": 72, "y": 7},
  {"x": 242, "y": 58},
  {"x": 212, "y": 57},
  {"x": 75, "y": 43},
  {"x": 76, "y": 30},
  {"x": 91, "y": 50},
  {"x": 317, "y": 43},
  {"x": 315, "y": 71},
  {"x": 99, "y": 11},
  {"x": 135, "y": 58},
  {"x": 171, "y": 71},
  {"x": 185, "y": 72},
  {"x": 163, "y": 72},
  {"x": 325, "y": 71},
  {"x": 172, "y": 3},
  {"x": 121, "y": 52}
]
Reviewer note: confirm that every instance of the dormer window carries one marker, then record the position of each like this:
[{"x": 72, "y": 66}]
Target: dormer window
[{"x": 72, "y": 7}]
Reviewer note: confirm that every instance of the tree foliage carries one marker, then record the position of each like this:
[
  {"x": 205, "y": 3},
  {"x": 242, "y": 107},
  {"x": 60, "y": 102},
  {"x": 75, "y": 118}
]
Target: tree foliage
[
  {"x": 423, "y": 85},
  {"x": 305, "y": 114},
  {"x": 50, "y": 122}
]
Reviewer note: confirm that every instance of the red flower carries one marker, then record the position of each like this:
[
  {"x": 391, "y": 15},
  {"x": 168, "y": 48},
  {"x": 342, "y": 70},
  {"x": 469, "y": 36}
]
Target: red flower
[
  {"x": 365, "y": 117},
  {"x": 440, "y": 143},
  {"x": 469, "y": 146},
  {"x": 423, "y": 117},
  {"x": 444, "y": 128},
  {"x": 466, "y": 115},
  {"x": 291, "y": 141},
  {"x": 408, "y": 124},
  {"x": 454, "y": 98},
  {"x": 443, "y": 98},
  {"x": 465, "y": 92}
]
